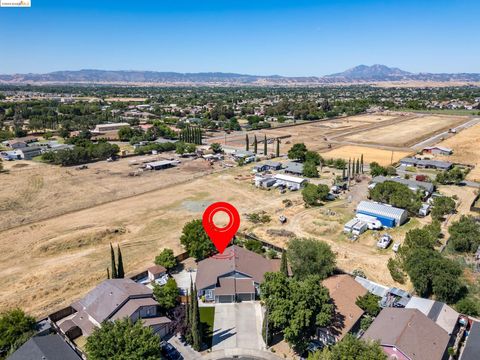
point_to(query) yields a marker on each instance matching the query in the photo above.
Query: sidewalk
(241, 353)
(187, 352)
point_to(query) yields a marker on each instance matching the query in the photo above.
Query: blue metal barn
(388, 215)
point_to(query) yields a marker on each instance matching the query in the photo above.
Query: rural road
(436, 138)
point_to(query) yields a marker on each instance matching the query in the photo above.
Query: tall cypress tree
(361, 163)
(196, 331)
(349, 165)
(255, 144)
(358, 166)
(114, 267)
(120, 270)
(108, 273)
(343, 173)
(265, 145)
(284, 263)
(277, 153)
(247, 144)
(187, 321)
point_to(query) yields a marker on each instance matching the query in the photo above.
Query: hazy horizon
(287, 38)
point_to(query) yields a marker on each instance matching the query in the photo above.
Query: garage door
(224, 299)
(245, 297)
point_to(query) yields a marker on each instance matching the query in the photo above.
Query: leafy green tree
(296, 308)
(313, 194)
(468, 306)
(123, 339)
(196, 241)
(166, 259)
(398, 195)
(310, 169)
(442, 205)
(351, 348)
(298, 152)
(395, 268)
(126, 133)
(120, 270)
(314, 157)
(465, 234)
(453, 176)
(369, 304)
(16, 328)
(377, 170)
(254, 245)
(310, 257)
(166, 295)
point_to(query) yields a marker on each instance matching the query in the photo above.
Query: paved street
(238, 326)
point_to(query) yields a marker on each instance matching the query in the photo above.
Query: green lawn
(207, 316)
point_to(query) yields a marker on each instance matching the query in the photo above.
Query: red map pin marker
(221, 236)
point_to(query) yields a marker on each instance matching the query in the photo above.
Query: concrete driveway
(238, 325)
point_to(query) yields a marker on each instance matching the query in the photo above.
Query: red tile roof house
(112, 300)
(235, 275)
(407, 334)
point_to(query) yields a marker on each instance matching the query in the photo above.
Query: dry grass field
(315, 135)
(406, 133)
(57, 223)
(46, 264)
(32, 191)
(466, 150)
(383, 157)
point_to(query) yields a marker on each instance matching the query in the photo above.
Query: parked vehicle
(396, 247)
(170, 352)
(384, 241)
(282, 219)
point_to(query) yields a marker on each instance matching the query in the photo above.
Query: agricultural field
(370, 154)
(407, 132)
(316, 135)
(466, 150)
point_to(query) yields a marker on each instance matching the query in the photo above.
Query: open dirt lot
(383, 157)
(46, 264)
(313, 134)
(33, 191)
(390, 131)
(408, 132)
(466, 150)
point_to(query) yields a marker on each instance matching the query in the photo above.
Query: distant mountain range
(358, 74)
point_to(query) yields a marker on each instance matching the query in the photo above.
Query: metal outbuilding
(388, 215)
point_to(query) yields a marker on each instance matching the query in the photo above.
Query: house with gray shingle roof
(113, 299)
(235, 275)
(46, 347)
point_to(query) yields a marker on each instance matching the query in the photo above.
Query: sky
(259, 37)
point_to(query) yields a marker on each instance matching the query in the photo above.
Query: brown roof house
(408, 334)
(235, 275)
(112, 300)
(344, 291)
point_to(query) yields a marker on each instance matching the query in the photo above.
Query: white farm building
(388, 215)
(291, 182)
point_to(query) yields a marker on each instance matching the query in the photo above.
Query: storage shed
(388, 215)
(292, 182)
